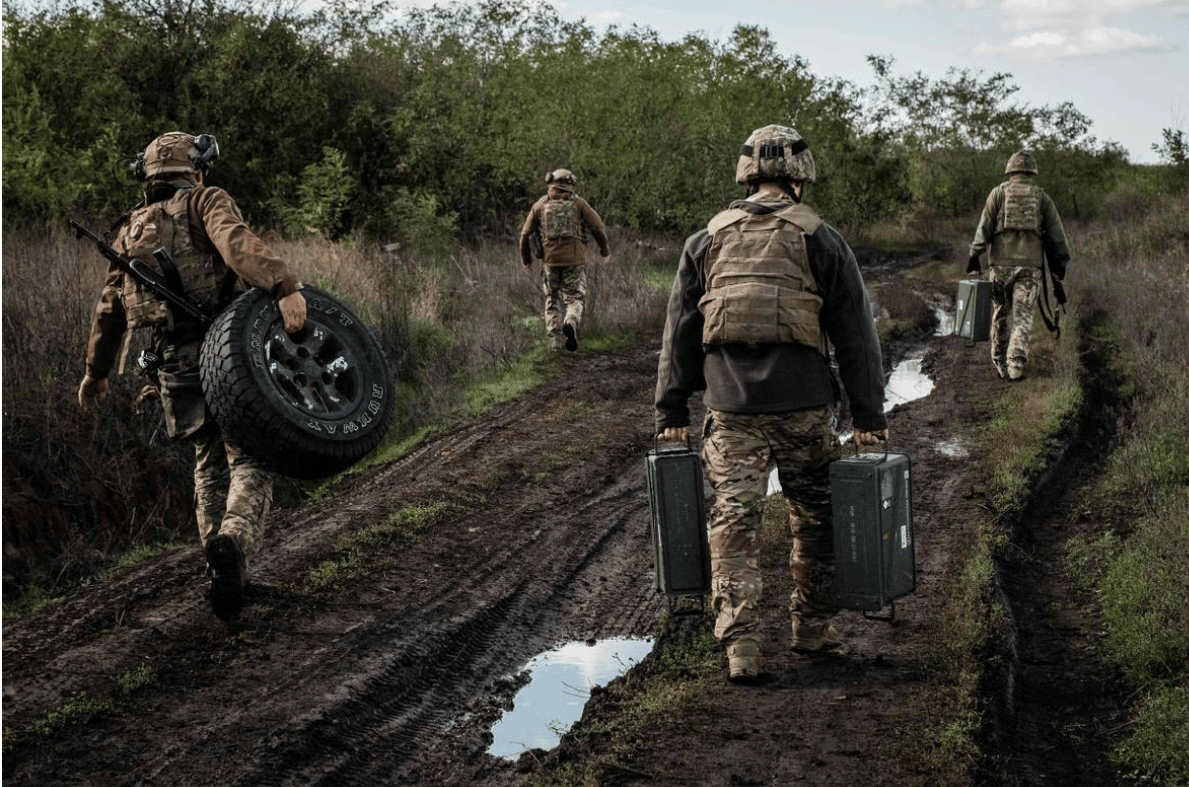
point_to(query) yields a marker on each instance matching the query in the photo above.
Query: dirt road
(451, 568)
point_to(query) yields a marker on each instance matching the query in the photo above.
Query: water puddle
(953, 448)
(545, 708)
(905, 384)
(947, 323)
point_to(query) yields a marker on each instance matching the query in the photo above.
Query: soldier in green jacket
(1022, 229)
(760, 296)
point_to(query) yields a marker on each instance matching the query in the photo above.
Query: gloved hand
(973, 265)
(91, 391)
(293, 311)
(678, 434)
(862, 437)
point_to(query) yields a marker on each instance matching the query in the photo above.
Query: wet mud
(396, 669)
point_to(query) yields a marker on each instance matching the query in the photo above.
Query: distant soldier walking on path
(561, 221)
(211, 246)
(1021, 227)
(759, 294)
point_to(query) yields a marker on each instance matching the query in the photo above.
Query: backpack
(560, 219)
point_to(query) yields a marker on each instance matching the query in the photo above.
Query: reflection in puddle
(560, 686)
(905, 384)
(952, 448)
(946, 323)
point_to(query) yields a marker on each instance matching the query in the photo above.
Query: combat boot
(571, 332)
(225, 561)
(811, 638)
(745, 663)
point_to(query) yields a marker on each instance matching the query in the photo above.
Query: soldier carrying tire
(211, 249)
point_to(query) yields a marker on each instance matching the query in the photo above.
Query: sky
(1123, 63)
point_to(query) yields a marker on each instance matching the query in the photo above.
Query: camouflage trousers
(1013, 296)
(738, 452)
(233, 493)
(565, 296)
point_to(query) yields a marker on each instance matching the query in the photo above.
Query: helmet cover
(561, 177)
(774, 153)
(1020, 162)
(177, 152)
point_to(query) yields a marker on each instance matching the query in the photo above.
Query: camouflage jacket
(776, 377)
(216, 227)
(563, 252)
(1013, 244)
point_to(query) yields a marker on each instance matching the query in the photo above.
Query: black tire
(308, 405)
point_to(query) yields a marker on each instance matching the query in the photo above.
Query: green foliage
(323, 193)
(1158, 751)
(445, 120)
(421, 222)
(1144, 598)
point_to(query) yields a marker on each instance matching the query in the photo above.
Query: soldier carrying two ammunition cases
(561, 222)
(208, 246)
(759, 297)
(1021, 227)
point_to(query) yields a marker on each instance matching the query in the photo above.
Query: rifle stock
(139, 270)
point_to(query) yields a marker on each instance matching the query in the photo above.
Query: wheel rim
(313, 370)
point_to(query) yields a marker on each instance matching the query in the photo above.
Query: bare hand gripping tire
(308, 405)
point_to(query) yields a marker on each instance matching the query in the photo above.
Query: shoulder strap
(803, 216)
(725, 219)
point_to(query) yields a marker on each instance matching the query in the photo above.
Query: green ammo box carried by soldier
(873, 535)
(974, 310)
(678, 505)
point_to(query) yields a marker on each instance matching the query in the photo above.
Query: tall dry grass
(80, 488)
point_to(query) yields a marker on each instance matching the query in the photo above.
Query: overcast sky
(1124, 63)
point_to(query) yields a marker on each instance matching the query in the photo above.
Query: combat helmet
(774, 153)
(562, 178)
(176, 153)
(1020, 161)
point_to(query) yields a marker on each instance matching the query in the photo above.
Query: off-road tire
(307, 405)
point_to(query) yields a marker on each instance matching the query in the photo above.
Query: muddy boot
(225, 560)
(1015, 372)
(559, 341)
(571, 333)
(812, 638)
(745, 663)
(1001, 369)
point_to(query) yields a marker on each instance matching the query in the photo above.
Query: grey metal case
(874, 553)
(974, 309)
(678, 507)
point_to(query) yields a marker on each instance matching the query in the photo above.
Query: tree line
(440, 122)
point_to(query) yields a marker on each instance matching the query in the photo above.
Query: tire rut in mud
(399, 674)
(1054, 701)
(429, 675)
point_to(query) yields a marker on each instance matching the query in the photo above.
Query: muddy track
(1054, 702)
(395, 672)
(542, 546)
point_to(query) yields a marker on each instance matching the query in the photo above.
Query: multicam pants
(565, 296)
(1013, 294)
(738, 451)
(233, 493)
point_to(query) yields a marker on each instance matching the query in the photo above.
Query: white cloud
(1054, 29)
(1092, 42)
